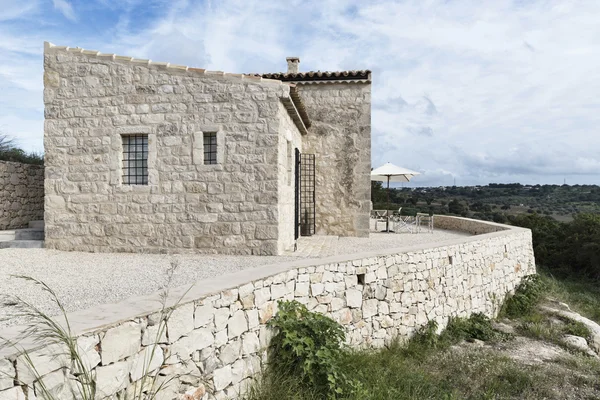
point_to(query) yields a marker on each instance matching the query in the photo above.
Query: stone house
(156, 157)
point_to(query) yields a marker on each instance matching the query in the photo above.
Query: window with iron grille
(210, 148)
(135, 159)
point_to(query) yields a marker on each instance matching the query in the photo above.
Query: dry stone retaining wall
(218, 335)
(21, 194)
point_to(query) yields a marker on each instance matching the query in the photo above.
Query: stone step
(36, 224)
(22, 244)
(7, 235)
(29, 234)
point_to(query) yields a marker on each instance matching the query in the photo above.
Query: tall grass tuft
(42, 330)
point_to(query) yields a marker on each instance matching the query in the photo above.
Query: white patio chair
(380, 216)
(424, 222)
(404, 223)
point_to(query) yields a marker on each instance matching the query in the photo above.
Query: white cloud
(482, 91)
(13, 10)
(65, 8)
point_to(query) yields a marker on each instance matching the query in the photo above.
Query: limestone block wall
(217, 336)
(340, 137)
(471, 226)
(93, 100)
(21, 194)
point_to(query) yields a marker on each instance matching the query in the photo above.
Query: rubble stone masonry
(340, 137)
(21, 194)
(218, 334)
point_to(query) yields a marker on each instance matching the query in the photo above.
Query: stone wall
(340, 137)
(219, 328)
(468, 225)
(21, 194)
(92, 100)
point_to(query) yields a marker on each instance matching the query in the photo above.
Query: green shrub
(527, 296)
(566, 249)
(309, 345)
(476, 327)
(577, 328)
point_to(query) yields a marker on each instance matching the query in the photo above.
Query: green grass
(581, 296)
(433, 366)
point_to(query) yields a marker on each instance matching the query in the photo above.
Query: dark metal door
(297, 195)
(307, 194)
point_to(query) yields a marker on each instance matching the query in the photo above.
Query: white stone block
(204, 315)
(336, 304)
(302, 289)
(112, 378)
(261, 296)
(250, 343)
(180, 322)
(222, 377)
(370, 308)
(317, 289)
(231, 352)
(7, 374)
(354, 298)
(87, 349)
(245, 290)
(221, 317)
(45, 360)
(237, 324)
(146, 361)
(196, 340)
(221, 338)
(278, 291)
(120, 342)
(151, 333)
(15, 393)
(253, 320)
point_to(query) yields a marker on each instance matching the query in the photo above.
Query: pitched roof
(359, 76)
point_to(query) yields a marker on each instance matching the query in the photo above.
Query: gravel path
(83, 280)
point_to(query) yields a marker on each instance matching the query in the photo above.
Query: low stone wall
(21, 194)
(472, 226)
(217, 334)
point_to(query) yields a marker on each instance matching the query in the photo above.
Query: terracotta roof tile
(357, 76)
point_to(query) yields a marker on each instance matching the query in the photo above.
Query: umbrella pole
(387, 213)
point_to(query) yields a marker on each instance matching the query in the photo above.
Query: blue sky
(480, 91)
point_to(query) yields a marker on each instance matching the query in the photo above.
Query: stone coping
(100, 317)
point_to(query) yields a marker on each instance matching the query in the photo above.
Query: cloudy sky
(477, 91)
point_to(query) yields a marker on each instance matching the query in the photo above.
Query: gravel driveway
(83, 280)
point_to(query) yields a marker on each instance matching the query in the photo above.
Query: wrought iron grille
(296, 195)
(307, 194)
(135, 159)
(210, 148)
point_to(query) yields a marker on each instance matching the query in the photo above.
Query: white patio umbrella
(392, 173)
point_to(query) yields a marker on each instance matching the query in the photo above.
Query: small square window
(210, 148)
(135, 159)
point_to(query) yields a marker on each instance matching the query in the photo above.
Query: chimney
(293, 65)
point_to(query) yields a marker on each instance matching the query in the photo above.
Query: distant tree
(457, 207)
(6, 143)
(500, 218)
(378, 193)
(10, 152)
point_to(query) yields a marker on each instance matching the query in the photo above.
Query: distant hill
(493, 202)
